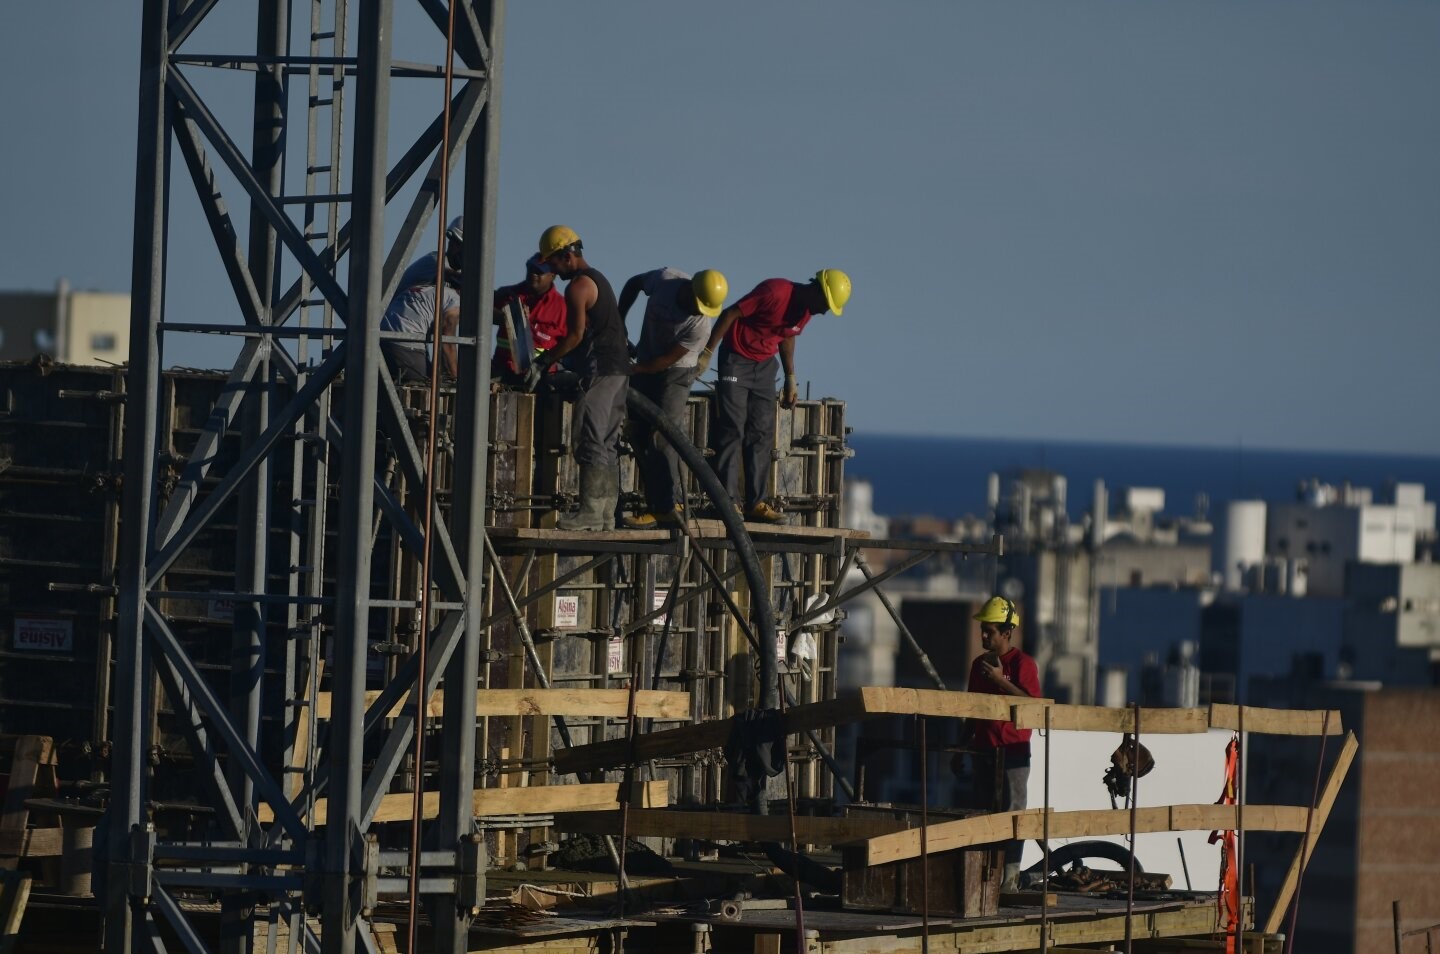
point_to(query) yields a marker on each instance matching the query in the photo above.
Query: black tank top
(604, 349)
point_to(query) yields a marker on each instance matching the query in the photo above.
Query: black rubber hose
(1082, 850)
(762, 614)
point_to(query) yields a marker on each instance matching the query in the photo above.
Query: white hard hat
(456, 229)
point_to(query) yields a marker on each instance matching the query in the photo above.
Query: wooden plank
(32, 843)
(729, 826)
(649, 703)
(533, 800)
(1109, 719)
(1029, 824)
(1227, 817)
(889, 700)
(14, 896)
(710, 529)
(1317, 825)
(31, 753)
(1276, 721)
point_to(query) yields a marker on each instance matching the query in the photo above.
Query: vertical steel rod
(147, 288)
(1309, 821)
(1045, 845)
(1240, 827)
(924, 836)
(344, 844)
(1134, 811)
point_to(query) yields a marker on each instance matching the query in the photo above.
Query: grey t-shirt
(412, 309)
(665, 323)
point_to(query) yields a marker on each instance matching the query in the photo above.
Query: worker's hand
(702, 363)
(994, 673)
(790, 394)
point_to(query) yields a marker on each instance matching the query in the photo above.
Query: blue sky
(1184, 223)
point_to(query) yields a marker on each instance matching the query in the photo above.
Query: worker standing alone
(754, 331)
(596, 349)
(1000, 753)
(679, 311)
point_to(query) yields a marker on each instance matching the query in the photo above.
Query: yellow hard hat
(998, 609)
(710, 289)
(555, 238)
(836, 285)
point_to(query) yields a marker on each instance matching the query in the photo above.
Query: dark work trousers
(1002, 788)
(595, 422)
(745, 424)
(659, 464)
(407, 365)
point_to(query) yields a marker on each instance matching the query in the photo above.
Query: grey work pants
(1006, 791)
(595, 422)
(407, 365)
(659, 464)
(745, 424)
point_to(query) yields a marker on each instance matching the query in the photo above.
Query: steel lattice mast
(280, 388)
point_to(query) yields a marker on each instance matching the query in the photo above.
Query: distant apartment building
(73, 327)
(1381, 844)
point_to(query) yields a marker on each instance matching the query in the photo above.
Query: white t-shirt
(413, 307)
(666, 324)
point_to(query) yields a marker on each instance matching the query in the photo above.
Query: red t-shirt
(995, 734)
(549, 320)
(768, 315)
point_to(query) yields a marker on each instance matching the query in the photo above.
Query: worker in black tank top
(595, 346)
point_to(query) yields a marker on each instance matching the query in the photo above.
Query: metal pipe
(905, 633)
(1045, 845)
(1309, 821)
(924, 837)
(1134, 813)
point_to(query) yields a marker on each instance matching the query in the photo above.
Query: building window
(102, 341)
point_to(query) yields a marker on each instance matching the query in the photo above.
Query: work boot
(597, 500)
(1011, 882)
(656, 519)
(762, 512)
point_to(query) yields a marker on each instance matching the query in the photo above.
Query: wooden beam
(32, 843)
(532, 800)
(649, 703)
(1276, 721)
(1109, 719)
(1317, 825)
(1030, 824)
(729, 826)
(855, 705)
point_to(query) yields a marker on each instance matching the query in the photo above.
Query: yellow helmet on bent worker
(710, 288)
(557, 238)
(999, 610)
(836, 286)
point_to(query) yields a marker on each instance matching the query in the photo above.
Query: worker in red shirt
(546, 310)
(755, 330)
(1000, 753)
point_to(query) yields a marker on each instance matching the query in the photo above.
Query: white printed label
(657, 602)
(44, 635)
(222, 607)
(615, 654)
(567, 612)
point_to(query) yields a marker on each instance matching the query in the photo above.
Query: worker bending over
(545, 308)
(412, 310)
(754, 330)
(1000, 753)
(596, 349)
(679, 311)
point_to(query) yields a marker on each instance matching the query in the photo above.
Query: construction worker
(412, 310)
(1000, 753)
(596, 349)
(545, 307)
(679, 311)
(754, 330)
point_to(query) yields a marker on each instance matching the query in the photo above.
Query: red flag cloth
(1229, 875)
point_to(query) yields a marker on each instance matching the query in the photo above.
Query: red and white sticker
(615, 655)
(567, 612)
(44, 634)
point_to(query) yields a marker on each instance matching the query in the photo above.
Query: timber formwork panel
(59, 480)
